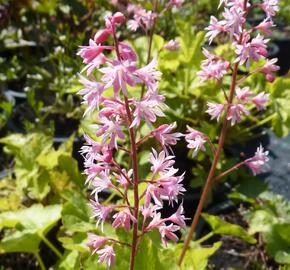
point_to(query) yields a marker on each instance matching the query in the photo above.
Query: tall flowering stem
(134, 166)
(215, 68)
(119, 119)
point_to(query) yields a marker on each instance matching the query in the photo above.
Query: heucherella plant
(119, 118)
(249, 45)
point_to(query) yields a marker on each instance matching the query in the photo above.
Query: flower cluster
(119, 117)
(249, 45)
(258, 162)
(141, 18)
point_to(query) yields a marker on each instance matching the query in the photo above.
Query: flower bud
(102, 35)
(119, 17)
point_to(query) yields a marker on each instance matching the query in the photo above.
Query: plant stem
(135, 185)
(40, 261)
(211, 174)
(152, 32)
(134, 167)
(51, 246)
(234, 168)
(207, 236)
(150, 42)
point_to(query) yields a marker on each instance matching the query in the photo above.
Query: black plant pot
(283, 54)
(21, 112)
(4, 174)
(282, 40)
(77, 144)
(17, 96)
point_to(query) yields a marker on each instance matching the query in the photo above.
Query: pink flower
(127, 53)
(92, 94)
(123, 219)
(142, 18)
(215, 27)
(260, 100)
(124, 177)
(95, 242)
(167, 232)
(234, 19)
(100, 212)
(112, 109)
(258, 161)
(238, 4)
(176, 3)
(89, 53)
(107, 254)
(94, 64)
(269, 68)
(133, 25)
(148, 109)
(155, 222)
(101, 182)
(91, 148)
(119, 17)
(171, 185)
(235, 112)
(149, 74)
(102, 35)
(213, 67)
(118, 75)
(215, 110)
(270, 7)
(243, 94)
(172, 45)
(160, 162)
(111, 130)
(254, 49)
(112, 21)
(195, 139)
(165, 136)
(153, 191)
(149, 211)
(178, 217)
(265, 26)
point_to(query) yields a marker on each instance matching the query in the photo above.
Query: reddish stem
(150, 42)
(210, 177)
(232, 169)
(134, 167)
(135, 185)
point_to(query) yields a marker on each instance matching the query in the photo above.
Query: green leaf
(76, 242)
(284, 231)
(47, 216)
(76, 213)
(69, 261)
(261, 221)
(91, 263)
(146, 258)
(20, 241)
(31, 225)
(197, 258)
(220, 226)
(283, 257)
(70, 166)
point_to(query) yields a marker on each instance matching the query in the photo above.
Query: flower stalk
(119, 119)
(214, 67)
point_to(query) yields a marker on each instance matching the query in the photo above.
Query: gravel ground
(279, 177)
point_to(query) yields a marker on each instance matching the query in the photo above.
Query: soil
(26, 261)
(236, 253)
(279, 165)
